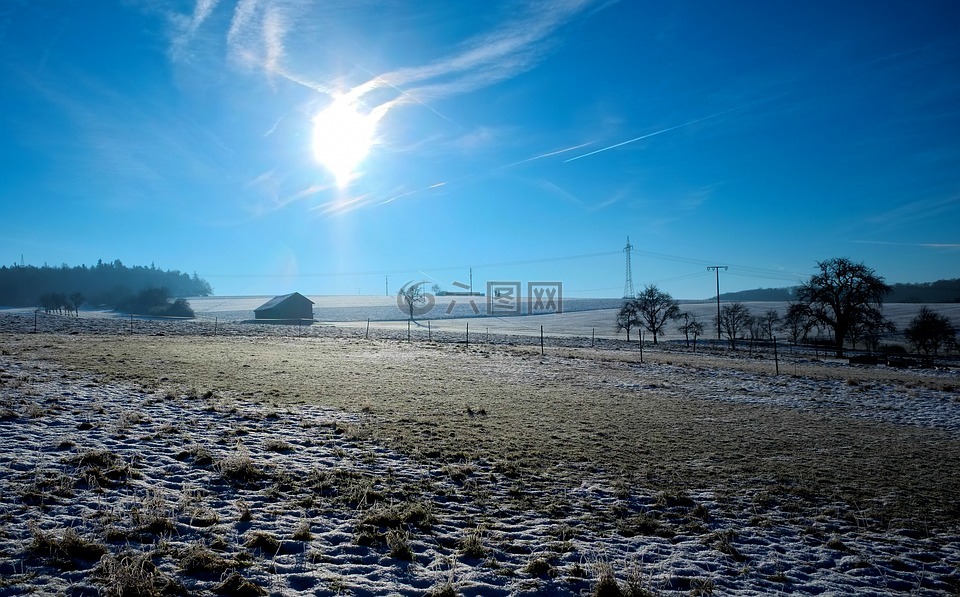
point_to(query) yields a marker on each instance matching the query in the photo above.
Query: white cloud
(186, 28)
(483, 60)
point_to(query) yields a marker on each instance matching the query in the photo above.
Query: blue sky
(280, 145)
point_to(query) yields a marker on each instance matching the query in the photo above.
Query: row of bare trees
(56, 302)
(843, 300)
(653, 308)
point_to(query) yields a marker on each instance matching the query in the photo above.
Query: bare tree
(843, 294)
(870, 328)
(797, 322)
(930, 331)
(734, 320)
(416, 300)
(76, 299)
(656, 308)
(628, 317)
(691, 326)
(769, 322)
(756, 328)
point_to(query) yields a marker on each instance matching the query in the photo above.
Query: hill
(941, 291)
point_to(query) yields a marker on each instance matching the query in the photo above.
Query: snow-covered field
(331, 465)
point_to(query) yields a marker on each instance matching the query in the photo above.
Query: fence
(472, 332)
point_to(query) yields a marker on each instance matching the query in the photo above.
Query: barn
(293, 306)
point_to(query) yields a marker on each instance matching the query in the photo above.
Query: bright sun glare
(342, 137)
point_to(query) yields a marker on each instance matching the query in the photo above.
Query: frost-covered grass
(338, 466)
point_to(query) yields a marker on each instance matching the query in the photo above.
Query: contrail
(660, 132)
(546, 155)
(415, 191)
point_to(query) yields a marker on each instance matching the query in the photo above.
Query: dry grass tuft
(263, 541)
(643, 524)
(393, 516)
(200, 558)
(722, 541)
(239, 468)
(243, 511)
(398, 541)
(68, 551)
(458, 472)
(153, 516)
(471, 544)
(273, 444)
(357, 489)
(134, 574)
(302, 532)
(607, 585)
(98, 458)
(46, 487)
(238, 586)
(540, 566)
(201, 456)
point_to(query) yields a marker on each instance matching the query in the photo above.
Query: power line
(733, 269)
(429, 269)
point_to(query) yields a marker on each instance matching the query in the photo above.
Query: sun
(342, 138)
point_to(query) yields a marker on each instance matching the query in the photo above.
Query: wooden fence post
(776, 359)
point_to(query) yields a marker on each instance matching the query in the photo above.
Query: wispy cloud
(255, 38)
(274, 29)
(514, 48)
(186, 27)
(948, 246)
(243, 16)
(609, 201)
(917, 210)
(341, 205)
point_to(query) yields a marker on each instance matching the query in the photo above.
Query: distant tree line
(108, 285)
(941, 291)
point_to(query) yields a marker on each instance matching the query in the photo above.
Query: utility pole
(471, 281)
(386, 285)
(717, 269)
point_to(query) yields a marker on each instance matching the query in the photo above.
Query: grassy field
(507, 421)
(550, 417)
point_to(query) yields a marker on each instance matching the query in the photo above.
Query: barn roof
(280, 299)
